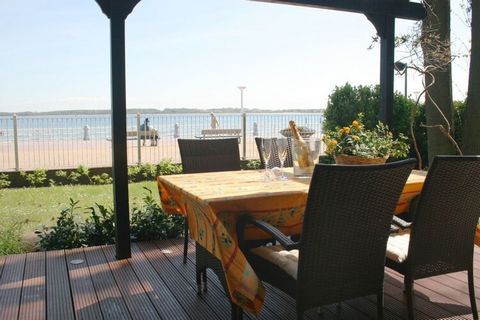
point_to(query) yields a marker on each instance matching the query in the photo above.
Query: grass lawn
(29, 208)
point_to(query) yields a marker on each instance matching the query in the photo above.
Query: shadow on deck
(155, 284)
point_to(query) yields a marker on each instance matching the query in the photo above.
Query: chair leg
(380, 305)
(185, 242)
(237, 312)
(409, 291)
(471, 289)
(204, 280)
(199, 281)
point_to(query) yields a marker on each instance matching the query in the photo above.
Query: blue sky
(191, 53)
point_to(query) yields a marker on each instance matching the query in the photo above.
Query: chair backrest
(274, 160)
(209, 155)
(345, 230)
(444, 222)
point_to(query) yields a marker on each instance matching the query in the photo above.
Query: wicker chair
(441, 236)
(274, 160)
(341, 253)
(207, 155)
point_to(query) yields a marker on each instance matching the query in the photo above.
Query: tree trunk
(437, 55)
(471, 129)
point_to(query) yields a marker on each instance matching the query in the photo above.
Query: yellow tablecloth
(213, 202)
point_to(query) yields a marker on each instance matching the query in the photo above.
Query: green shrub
(83, 175)
(61, 177)
(347, 101)
(10, 240)
(38, 178)
(67, 233)
(251, 165)
(103, 178)
(99, 227)
(166, 167)
(149, 222)
(4, 181)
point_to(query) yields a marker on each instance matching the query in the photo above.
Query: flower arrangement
(355, 140)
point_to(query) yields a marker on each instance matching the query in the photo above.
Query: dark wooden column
(117, 11)
(385, 25)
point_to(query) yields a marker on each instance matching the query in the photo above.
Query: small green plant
(149, 222)
(103, 178)
(252, 165)
(38, 178)
(61, 177)
(83, 175)
(166, 167)
(4, 181)
(67, 233)
(74, 177)
(99, 227)
(10, 240)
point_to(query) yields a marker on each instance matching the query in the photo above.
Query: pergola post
(385, 25)
(117, 11)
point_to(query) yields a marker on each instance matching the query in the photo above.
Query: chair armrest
(402, 224)
(244, 220)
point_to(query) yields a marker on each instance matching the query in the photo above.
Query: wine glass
(282, 149)
(267, 152)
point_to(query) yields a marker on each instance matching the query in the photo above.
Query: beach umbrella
(117, 11)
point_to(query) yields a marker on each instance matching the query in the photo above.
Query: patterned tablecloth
(213, 202)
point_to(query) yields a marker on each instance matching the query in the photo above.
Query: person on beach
(213, 121)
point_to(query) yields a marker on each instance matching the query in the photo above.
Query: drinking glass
(282, 149)
(267, 152)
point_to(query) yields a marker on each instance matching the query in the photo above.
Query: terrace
(155, 284)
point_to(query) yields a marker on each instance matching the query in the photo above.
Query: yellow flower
(356, 124)
(356, 138)
(346, 130)
(341, 131)
(333, 143)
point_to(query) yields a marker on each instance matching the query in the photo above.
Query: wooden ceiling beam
(402, 9)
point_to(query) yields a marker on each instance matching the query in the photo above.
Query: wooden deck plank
(160, 295)
(33, 301)
(394, 288)
(184, 292)
(59, 298)
(133, 293)
(215, 297)
(11, 286)
(109, 297)
(85, 300)
(423, 290)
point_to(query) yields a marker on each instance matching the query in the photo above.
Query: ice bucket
(305, 155)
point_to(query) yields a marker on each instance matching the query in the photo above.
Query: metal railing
(67, 141)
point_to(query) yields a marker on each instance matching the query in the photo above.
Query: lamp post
(402, 68)
(244, 123)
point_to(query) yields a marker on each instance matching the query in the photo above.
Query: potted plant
(356, 145)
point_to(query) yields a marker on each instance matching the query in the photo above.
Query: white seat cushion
(397, 246)
(287, 260)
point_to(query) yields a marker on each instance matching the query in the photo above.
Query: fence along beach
(54, 142)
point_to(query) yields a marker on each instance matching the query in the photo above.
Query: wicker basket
(347, 159)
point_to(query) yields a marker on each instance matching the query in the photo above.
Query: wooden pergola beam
(402, 9)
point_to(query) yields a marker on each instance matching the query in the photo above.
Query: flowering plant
(355, 140)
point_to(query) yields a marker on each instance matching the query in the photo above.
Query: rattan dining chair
(440, 238)
(274, 160)
(341, 253)
(207, 155)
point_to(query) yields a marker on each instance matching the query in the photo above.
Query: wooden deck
(155, 284)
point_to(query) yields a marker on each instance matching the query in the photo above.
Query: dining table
(212, 203)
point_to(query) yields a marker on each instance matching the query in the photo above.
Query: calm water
(71, 127)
